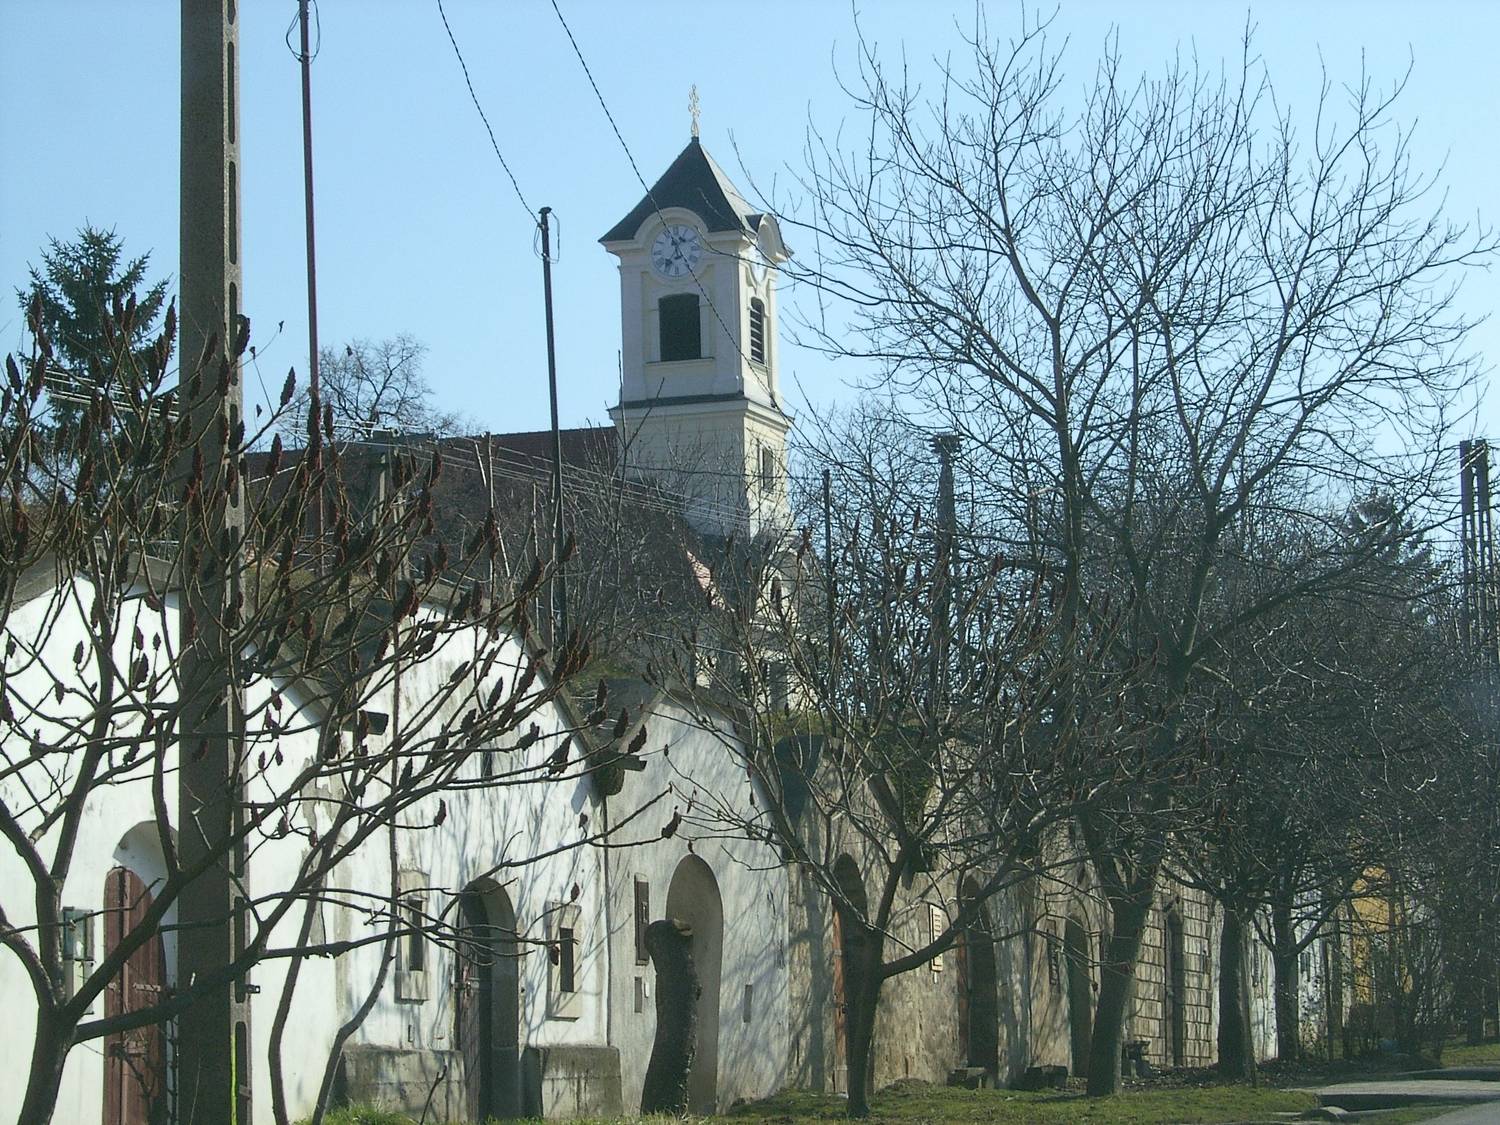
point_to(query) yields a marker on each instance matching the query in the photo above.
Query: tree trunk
(49, 1051)
(864, 1002)
(1128, 915)
(283, 1012)
(1288, 1008)
(1236, 1051)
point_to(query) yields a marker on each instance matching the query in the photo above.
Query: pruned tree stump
(670, 944)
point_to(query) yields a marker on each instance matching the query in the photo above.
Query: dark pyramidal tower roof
(694, 181)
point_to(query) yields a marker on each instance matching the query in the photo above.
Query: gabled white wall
(497, 831)
(691, 768)
(483, 828)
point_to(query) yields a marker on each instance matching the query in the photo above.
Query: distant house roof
(592, 446)
(696, 182)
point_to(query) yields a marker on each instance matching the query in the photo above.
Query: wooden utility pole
(559, 605)
(213, 1038)
(304, 57)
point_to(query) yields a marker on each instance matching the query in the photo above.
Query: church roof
(694, 181)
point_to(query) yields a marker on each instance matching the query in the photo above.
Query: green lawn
(1458, 1053)
(912, 1104)
(915, 1103)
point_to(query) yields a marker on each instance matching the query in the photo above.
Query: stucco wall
(486, 830)
(692, 771)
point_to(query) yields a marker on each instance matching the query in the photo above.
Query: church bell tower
(700, 410)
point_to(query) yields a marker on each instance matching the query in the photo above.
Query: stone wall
(1148, 1019)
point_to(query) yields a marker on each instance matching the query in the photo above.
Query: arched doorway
(135, 1062)
(487, 1005)
(848, 929)
(693, 898)
(978, 997)
(1174, 992)
(1080, 984)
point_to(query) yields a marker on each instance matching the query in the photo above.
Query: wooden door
(840, 1010)
(964, 974)
(472, 1005)
(135, 1062)
(1175, 994)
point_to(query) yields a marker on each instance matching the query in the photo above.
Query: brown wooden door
(472, 1005)
(840, 1010)
(135, 1062)
(963, 974)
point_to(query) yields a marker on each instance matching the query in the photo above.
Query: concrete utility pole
(213, 1037)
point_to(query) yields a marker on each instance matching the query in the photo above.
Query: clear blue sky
(420, 232)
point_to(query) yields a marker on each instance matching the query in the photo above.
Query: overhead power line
(634, 167)
(527, 207)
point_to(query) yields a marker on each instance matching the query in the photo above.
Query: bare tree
(372, 386)
(893, 696)
(1158, 315)
(331, 754)
(1313, 724)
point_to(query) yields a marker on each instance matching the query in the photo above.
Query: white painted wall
(498, 832)
(484, 828)
(694, 768)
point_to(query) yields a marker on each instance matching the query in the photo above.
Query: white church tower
(700, 409)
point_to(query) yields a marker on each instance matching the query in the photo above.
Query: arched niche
(693, 898)
(136, 1062)
(848, 932)
(1174, 988)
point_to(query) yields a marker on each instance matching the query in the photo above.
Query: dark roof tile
(695, 181)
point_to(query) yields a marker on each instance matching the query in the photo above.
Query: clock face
(676, 251)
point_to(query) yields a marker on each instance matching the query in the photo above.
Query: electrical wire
(530, 211)
(317, 44)
(634, 167)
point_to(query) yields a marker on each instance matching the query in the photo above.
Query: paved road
(1486, 1114)
(1391, 1092)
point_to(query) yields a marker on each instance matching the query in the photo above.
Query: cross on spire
(693, 108)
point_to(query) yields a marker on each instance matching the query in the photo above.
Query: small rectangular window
(411, 948)
(681, 330)
(642, 919)
(937, 922)
(567, 963)
(767, 469)
(416, 940)
(77, 948)
(749, 1002)
(563, 978)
